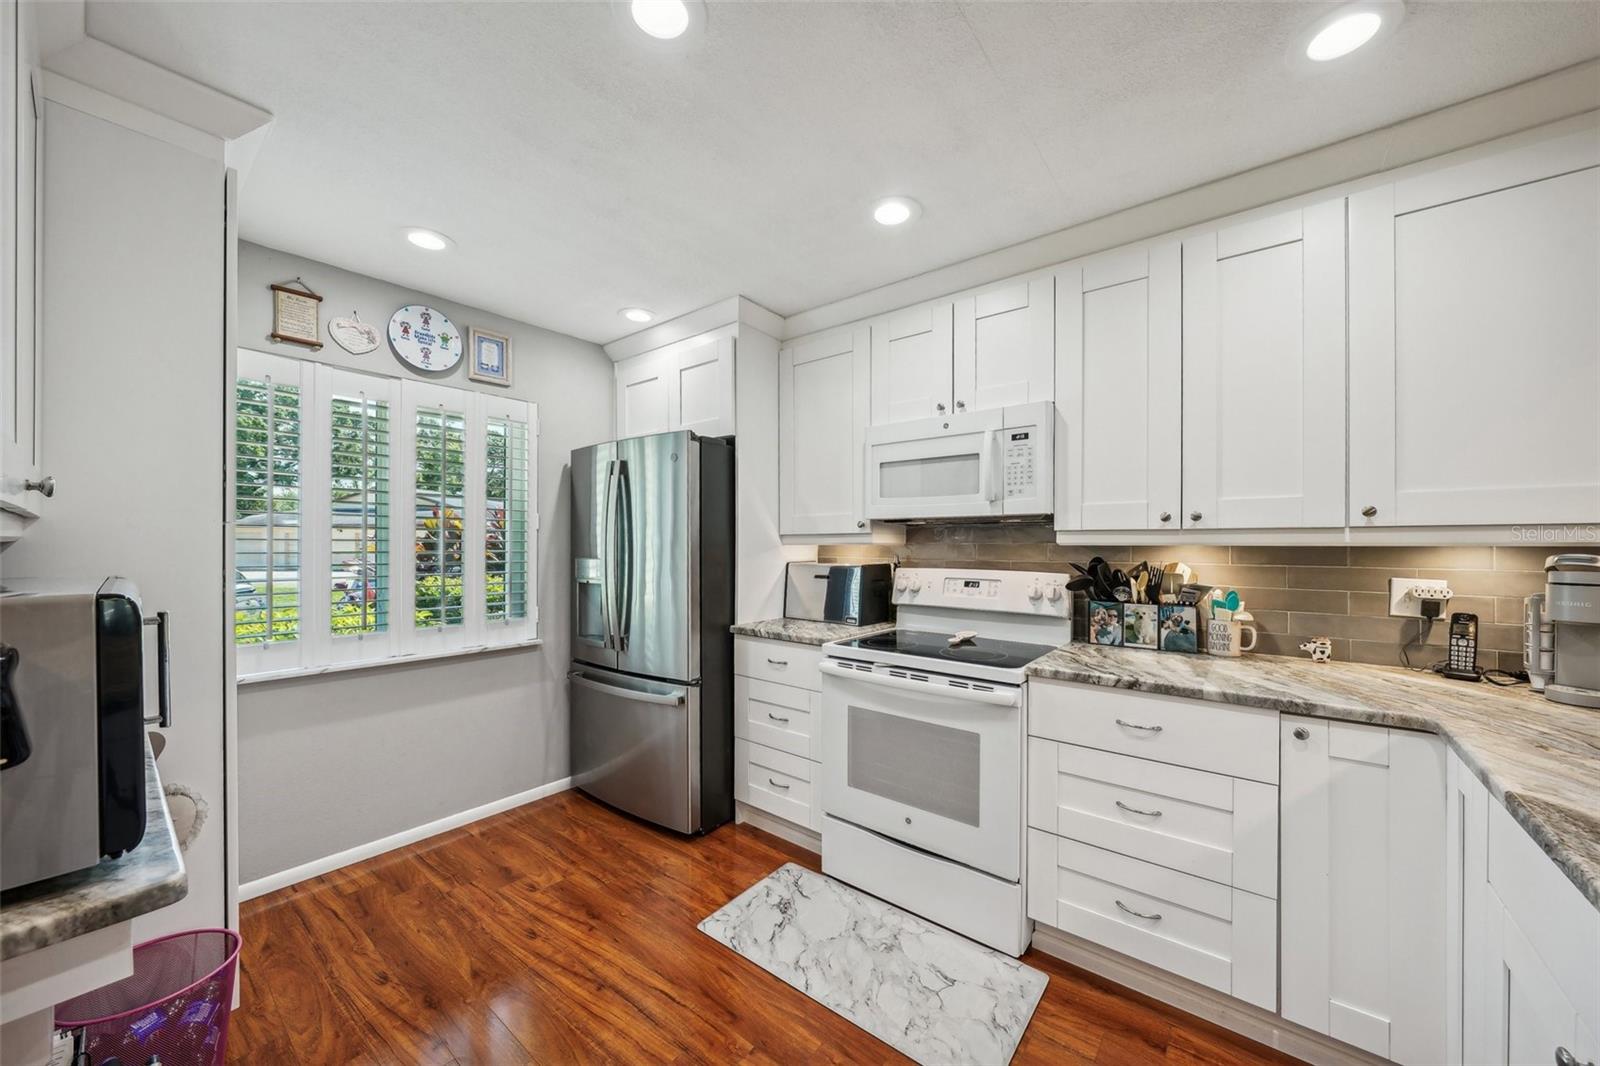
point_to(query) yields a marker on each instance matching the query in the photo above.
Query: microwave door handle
(163, 670)
(986, 462)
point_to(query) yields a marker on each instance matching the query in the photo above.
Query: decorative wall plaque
(353, 335)
(425, 338)
(294, 315)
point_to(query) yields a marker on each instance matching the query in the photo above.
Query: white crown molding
(1540, 101)
(735, 309)
(91, 101)
(124, 75)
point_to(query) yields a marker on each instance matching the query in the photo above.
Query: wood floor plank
(565, 932)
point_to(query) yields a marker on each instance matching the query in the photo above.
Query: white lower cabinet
(1363, 886)
(1222, 937)
(777, 703)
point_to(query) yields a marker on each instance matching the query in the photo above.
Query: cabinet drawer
(1221, 937)
(779, 661)
(779, 716)
(1236, 741)
(775, 781)
(1220, 828)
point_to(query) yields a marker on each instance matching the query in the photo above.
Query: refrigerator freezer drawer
(636, 745)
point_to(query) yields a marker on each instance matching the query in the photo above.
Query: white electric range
(924, 733)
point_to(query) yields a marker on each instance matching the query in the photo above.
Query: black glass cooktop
(980, 651)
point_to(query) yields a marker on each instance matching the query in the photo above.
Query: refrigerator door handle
(670, 699)
(623, 543)
(608, 581)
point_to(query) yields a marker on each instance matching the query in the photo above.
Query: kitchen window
(376, 519)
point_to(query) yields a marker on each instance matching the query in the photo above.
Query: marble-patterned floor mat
(936, 996)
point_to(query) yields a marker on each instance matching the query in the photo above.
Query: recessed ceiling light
(637, 314)
(430, 240)
(1346, 29)
(661, 19)
(895, 211)
(1344, 35)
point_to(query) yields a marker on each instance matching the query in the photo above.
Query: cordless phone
(1462, 663)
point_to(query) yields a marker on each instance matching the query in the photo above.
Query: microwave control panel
(1019, 456)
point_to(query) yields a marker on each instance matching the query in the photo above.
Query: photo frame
(489, 356)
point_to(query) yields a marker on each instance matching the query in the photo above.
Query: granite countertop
(1540, 759)
(147, 878)
(796, 631)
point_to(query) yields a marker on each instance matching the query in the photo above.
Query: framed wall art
(294, 315)
(491, 357)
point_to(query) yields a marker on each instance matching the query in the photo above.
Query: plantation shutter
(267, 510)
(509, 516)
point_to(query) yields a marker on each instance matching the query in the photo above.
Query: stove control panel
(1008, 591)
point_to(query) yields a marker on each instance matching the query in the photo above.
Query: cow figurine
(1321, 649)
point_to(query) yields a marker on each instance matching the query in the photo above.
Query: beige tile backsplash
(1294, 592)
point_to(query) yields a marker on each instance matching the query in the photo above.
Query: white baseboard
(1235, 1015)
(798, 835)
(327, 864)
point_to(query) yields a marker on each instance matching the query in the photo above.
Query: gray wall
(331, 762)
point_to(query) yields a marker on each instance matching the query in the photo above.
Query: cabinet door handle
(1136, 725)
(1195, 516)
(1135, 810)
(939, 407)
(961, 405)
(1567, 1058)
(779, 662)
(1137, 914)
(1302, 733)
(861, 525)
(777, 784)
(775, 718)
(1166, 516)
(1369, 511)
(45, 486)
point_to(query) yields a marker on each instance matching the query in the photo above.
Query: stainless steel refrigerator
(652, 600)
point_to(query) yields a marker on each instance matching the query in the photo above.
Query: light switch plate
(1407, 593)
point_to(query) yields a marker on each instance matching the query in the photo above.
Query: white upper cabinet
(1005, 345)
(1119, 390)
(1474, 341)
(912, 368)
(687, 385)
(823, 401)
(21, 267)
(1263, 372)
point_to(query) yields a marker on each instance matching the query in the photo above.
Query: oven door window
(931, 767)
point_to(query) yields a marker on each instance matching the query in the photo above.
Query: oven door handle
(998, 697)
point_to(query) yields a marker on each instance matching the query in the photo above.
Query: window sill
(393, 660)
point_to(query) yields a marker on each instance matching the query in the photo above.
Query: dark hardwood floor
(565, 932)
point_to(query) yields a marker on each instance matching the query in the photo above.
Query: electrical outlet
(1407, 593)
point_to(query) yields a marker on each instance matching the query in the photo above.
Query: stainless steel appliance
(977, 464)
(923, 735)
(652, 657)
(856, 594)
(1572, 608)
(72, 780)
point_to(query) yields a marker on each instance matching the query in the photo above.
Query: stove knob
(1035, 593)
(916, 584)
(1054, 594)
(900, 583)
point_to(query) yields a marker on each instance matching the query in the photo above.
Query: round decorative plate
(425, 338)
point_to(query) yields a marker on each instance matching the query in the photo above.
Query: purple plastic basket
(175, 1004)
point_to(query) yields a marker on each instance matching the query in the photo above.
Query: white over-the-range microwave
(976, 464)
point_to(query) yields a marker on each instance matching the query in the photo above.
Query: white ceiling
(582, 167)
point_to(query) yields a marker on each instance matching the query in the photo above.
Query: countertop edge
(1520, 806)
(800, 631)
(88, 915)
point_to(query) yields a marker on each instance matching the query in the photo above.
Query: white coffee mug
(1226, 637)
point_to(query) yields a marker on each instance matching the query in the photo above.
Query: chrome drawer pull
(1136, 725)
(1135, 810)
(779, 662)
(1129, 910)
(775, 718)
(777, 784)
